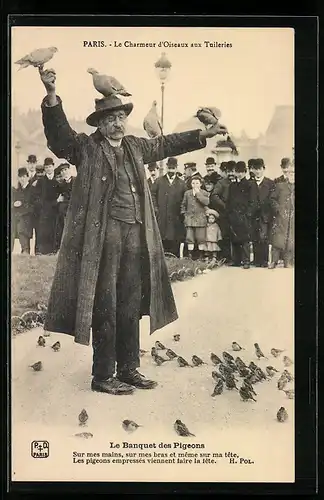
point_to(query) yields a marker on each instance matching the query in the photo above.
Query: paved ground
(232, 304)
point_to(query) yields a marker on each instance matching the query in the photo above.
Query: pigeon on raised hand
(41, 341)
(181, 429)
(287, 361)
(197, 361)
(215, 359)
(236, 346)
(130, 425)
(37, 58)
(83, 417)
(218, 389)
(282, 415)
(37, 367)
(276, 352)
(151, 123)
(259, 354)
(32, 319)
(208, 116)
(171, 354)
(107, 85)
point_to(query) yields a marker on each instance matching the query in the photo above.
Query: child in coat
(213, 235)
(193, 208)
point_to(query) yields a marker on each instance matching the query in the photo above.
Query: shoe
(112, 386)
(136, 379)
(246, 266)
(272, 265)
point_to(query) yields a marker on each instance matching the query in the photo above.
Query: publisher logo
(40, 449)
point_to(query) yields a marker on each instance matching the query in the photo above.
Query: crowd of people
(39, 204)
(232, 213)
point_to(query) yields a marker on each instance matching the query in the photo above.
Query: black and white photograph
(152, 254)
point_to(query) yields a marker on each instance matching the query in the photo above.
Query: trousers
(241, 253)
(261, 252)
(117, 302)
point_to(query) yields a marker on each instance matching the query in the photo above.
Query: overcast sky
(245, 81)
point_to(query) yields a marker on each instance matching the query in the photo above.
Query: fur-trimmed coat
(72, 295)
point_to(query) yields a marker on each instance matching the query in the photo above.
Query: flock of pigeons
(109, 85)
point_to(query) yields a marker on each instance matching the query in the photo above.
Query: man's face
(113, 125)
(284, 171)
(40, 174)
(153, 174)
(223, 173)
(257, 173)
(23, 180)
(65, 174)
(59, 178)
(211, 168)
(49, 169)
(31, 169)
(230, 174)
(209, 186)
(171, 171)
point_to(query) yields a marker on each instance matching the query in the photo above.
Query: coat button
(103, 178)
(97, 224)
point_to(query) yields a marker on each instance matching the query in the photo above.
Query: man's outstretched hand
(216, 129)
(48, 78)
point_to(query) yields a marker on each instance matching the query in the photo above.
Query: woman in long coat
(283, 229)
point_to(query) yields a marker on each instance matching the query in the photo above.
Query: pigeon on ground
(159, 360)
(171, 354)
(176, 337)
(246, 394)
(107, 85)
(197, 361)
(41, 341)
(182, 362)
(208, 116)
(225, 370)
(56, 347)
(85, 435)
(130, 425)
(215, 359)
(282, 415)
(230, 383)
(290, 393)
(243, 371)
(83, 417)
(217, 376)
(37, 367)
(236, 346)
(37, 58)
(253, 378)
(195, 294)
(271, 371)
(159, 345)
(32, 319)
(282, 382)
(252, 366)
(151, 123)
(231, 365)
(260, 373)
(240, 363)
(153, 352)
(142, 352)
(181, 429)
(227, 356)
(249, 386)
(288, 376)
(259, 354)
(219, 388)
(276, 352)
(287, 361)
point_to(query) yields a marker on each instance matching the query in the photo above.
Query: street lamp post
(162, 67)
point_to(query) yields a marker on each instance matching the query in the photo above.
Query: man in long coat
(262, 216)
(22, 212)
(167, 195)
(111, 268)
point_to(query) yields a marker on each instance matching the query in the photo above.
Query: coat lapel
(107, 150)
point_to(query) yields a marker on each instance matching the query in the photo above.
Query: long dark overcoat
(240, 206)
(263, 215)
(167, 198)
(72, 295)
(22, 217)
(283, 205)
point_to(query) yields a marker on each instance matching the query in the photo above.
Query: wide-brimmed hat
(211, 211)
(104, 106)
(60, 168)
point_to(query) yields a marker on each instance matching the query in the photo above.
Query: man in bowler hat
(111, 268)
(211, 169)
(153, 170)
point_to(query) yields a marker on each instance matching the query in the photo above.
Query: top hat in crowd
(22, 171)
(285, 162)
(258, 163)
(172, 162)
(63, 166)
(105, 106)
(31, 159)
(48, 161)
(240, 167)
(210, 161)
(152, 166)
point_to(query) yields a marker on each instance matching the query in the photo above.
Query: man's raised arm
(61, 138)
